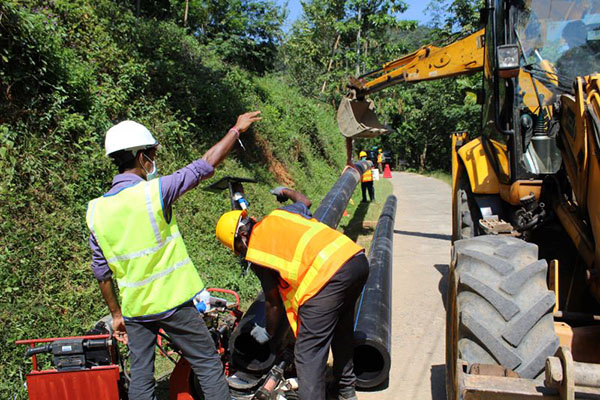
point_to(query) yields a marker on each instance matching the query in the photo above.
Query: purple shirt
(172, 187)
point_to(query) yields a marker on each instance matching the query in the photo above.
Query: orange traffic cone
(387, 172)
(345, 213)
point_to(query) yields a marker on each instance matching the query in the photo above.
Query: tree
(244, 32)
(458, 15)
(322, 46)
(423, 115)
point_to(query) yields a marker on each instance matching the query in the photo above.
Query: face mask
(154, 173)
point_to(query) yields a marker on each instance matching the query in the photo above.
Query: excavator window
(559, 40)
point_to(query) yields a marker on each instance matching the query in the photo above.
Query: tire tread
(503, 304)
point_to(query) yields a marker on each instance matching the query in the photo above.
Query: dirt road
(421, 255)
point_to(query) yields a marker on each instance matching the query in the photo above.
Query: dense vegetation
(322, 51)
(69, 69)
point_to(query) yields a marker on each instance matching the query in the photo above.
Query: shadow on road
(439, 236)
(438, 382)
(443, 285)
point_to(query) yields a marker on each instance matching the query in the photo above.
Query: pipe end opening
(369, 364)
(251, 355)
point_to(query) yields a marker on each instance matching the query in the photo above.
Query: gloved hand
(260, 334)
(278, 191)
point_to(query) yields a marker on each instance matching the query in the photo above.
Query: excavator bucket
(356, 118)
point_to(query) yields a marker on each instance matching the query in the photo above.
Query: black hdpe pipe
(333, 205)
(372, 326)
(248, 355)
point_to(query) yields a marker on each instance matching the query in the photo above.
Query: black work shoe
(346, 393)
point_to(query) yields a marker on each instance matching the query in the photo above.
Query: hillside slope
(67, 73)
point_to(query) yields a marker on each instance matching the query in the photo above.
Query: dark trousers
(326, 320)
(188, 331)
(367, 186)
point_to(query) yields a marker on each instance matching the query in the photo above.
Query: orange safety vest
(379, 158)
(305, 252)
(367, 176)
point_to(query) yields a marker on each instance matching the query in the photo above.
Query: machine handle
(97, 344)
(38, 350)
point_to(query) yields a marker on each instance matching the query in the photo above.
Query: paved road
(421, 256)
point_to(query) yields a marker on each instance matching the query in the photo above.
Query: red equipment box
(95, 383)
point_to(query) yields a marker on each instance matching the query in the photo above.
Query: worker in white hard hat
(135, 241)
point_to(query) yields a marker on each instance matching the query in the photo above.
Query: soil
(276, 167)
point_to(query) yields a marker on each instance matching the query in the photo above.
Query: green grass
(440, 175)
(362, 218)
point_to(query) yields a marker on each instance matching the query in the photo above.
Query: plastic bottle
(202, 301)
(241, 200)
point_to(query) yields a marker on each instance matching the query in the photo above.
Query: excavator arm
(356, 117)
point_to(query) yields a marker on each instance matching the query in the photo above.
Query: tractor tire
(499, 308)
(467, 213)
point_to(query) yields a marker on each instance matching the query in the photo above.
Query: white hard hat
(128, 135)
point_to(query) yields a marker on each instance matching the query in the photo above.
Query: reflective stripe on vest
(306, 253)
(145, 253)
(367, 176)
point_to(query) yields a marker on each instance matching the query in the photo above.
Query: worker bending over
(315, 274)
(135, 239)
(366, 181)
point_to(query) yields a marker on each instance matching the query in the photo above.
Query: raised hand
(245, 120)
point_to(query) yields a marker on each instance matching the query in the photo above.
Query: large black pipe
(333, 205)
(246, 354)
(372, 327)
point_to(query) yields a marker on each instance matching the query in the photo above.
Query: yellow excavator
(523, 310)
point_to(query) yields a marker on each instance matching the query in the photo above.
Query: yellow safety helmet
(363, 154)
(381, 150)
(227, 227)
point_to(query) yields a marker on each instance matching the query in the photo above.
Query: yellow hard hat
(227, 227)
(380, 150)
(363, 154)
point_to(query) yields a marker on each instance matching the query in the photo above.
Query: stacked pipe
(332, 207)
(245, 353)
(372, 327)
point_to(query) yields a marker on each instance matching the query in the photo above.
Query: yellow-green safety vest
(146, 253)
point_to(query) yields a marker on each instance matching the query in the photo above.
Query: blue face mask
(152, 174)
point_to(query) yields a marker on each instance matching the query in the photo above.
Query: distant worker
(380, 160)
(366, 181)
(315, 274)
(134, 237)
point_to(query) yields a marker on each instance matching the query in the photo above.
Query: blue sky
(415, 10)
